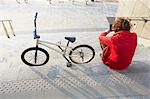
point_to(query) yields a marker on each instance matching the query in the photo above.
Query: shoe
(100, 54)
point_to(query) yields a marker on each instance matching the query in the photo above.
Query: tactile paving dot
(45, 84)
(118, 82)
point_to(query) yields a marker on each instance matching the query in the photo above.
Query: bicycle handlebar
(35, 30)
(35, 19)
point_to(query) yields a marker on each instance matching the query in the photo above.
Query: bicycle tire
(77, 52)
(41, 50)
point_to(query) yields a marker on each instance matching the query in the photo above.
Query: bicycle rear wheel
(82, 54)
(35, 56)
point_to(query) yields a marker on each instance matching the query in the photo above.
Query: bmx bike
(37, 56)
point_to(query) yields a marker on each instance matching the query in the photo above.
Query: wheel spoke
(82, 54)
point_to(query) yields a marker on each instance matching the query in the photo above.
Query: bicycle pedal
(69, 64)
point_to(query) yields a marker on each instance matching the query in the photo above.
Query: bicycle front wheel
(35, 56)
(82, 54)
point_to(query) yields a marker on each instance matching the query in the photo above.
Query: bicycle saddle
(71, 39)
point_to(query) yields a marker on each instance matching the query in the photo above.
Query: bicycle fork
(35, 58)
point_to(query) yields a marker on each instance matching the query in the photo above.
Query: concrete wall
(135, 9)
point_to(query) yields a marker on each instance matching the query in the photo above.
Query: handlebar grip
(34, 34)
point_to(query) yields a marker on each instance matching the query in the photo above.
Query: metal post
(5, 29)
(11, 27)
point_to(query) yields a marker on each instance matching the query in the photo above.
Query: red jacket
(120, 49)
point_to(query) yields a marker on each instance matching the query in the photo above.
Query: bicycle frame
(46, 44)
(70, 52)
